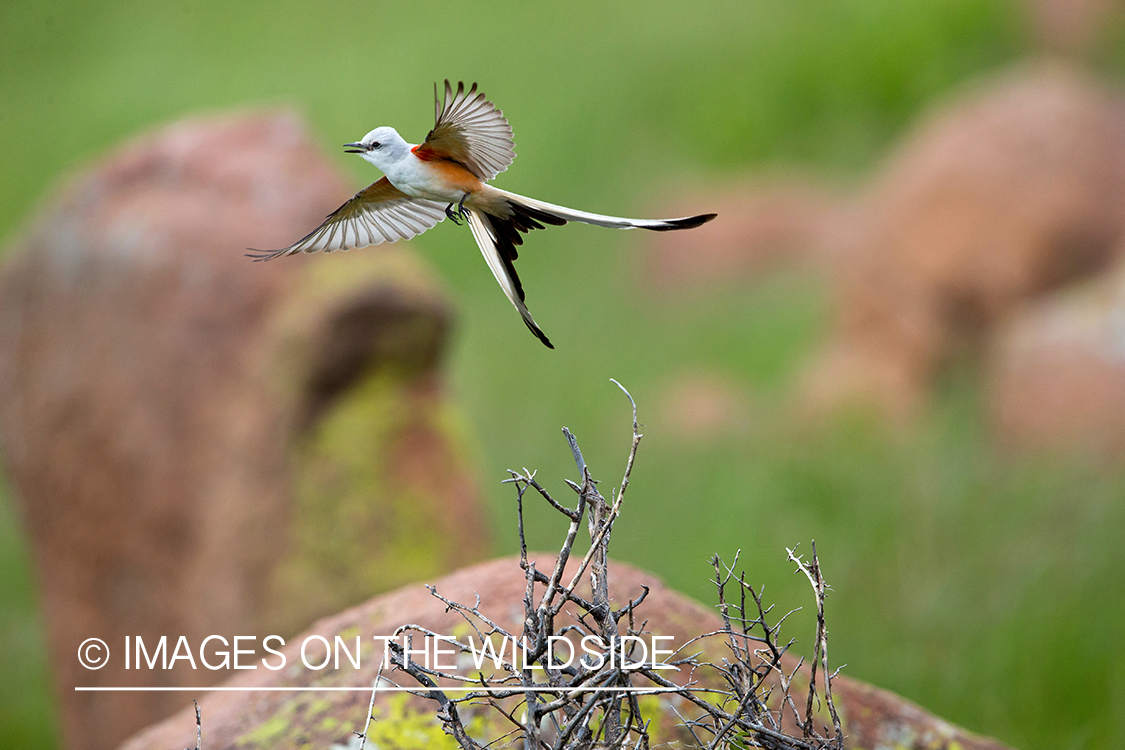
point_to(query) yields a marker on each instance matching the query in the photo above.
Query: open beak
(355, 148)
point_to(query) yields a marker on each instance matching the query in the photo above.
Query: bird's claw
(451, 215)
(462, 213)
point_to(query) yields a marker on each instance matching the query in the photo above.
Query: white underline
(368, 688)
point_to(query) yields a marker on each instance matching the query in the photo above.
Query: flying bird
(446, 176)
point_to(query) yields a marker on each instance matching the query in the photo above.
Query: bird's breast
(440, 180)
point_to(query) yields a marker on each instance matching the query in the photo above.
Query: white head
(380, 147)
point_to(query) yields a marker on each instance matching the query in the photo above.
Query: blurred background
(975, 560)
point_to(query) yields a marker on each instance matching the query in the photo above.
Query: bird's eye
(376, 144)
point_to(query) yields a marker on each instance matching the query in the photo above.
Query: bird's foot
(452, 216)
(461, 207)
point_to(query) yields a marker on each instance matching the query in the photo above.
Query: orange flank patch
(456, 176)
(425, 153)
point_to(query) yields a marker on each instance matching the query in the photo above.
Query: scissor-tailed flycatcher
(470, 144)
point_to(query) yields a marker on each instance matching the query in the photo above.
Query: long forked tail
(544, 211)
(497, 236)
(499, 252)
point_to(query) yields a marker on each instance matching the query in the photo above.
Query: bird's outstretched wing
(379, 213)
(468, 129)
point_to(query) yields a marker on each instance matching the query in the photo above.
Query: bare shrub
(743, 699)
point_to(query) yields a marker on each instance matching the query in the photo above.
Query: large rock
(277, 720)
(1056, 377)
(204, 445)
(1011, 190)
(1073, 26)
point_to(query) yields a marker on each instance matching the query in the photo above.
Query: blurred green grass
(26, 712)
(985, 588)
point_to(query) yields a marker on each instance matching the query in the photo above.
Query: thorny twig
(812, 573)
(198, 726)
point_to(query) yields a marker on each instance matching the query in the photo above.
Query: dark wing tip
(538, 334)
(690, 222)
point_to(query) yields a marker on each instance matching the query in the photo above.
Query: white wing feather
(379, 213)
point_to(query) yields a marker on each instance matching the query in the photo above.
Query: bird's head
(380, 146)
